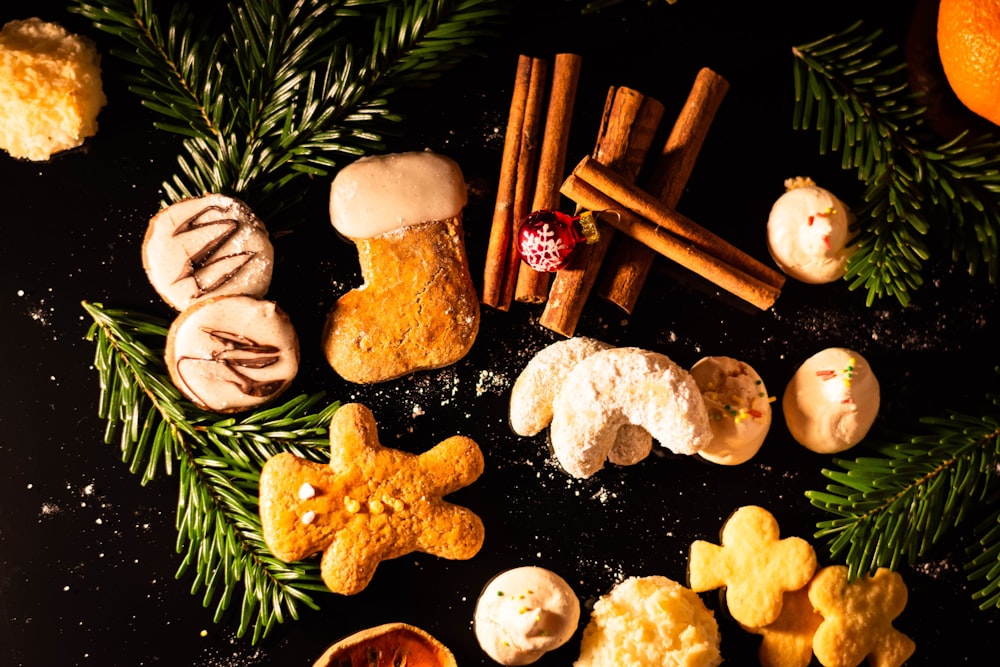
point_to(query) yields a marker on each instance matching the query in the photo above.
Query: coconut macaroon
(417, 308)
(50, 89)
(207, 246)
(739, 409)
(808, 233)
(232, 353)
(524, 613)
(650, 621)
(831, 401)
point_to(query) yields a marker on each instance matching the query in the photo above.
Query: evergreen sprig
(282, 92)
(893, 507)
(289, 88)
(855, 93)
(218, 461)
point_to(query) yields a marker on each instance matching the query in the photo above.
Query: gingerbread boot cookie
(370, 504)
(418, 308)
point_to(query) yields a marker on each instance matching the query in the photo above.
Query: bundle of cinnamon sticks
(530, 173)
(644, 217)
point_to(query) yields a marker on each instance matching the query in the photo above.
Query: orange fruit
(968, 37)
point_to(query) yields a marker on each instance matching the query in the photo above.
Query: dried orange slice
(389, 645)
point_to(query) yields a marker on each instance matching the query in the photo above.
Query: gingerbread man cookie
(370, 504)
(754, 566)
(788, 641)
(857, 618)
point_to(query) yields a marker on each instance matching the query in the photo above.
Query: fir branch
(893, 508)
(985, 565)
(415, 41)
(280, 97)
(218, 462)
(170, 78)
(284, 94)
(855, 94)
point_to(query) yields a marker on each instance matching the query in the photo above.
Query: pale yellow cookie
(857, 618)
(50, 89)
(754, 566)
(650, 621)
(788, 641)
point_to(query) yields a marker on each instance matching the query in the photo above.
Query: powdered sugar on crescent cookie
(536, 387)
(625, 386)
(535, 392)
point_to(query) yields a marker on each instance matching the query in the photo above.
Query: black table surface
(87, 556)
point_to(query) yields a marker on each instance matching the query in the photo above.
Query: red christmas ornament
(547, 238)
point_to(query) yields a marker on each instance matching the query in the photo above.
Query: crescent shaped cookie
(535, 391)
(536, 387)
(625, 386)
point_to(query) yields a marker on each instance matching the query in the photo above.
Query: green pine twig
(985, 565)
(218, 461)
(288, 89)
(279, 95)
(894, 507)
(856, 95)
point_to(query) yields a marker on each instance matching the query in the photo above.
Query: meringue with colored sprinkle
(524, 613)
(808, 233)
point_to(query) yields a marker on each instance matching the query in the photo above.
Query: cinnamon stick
(748, 287)
(628, 126)
(502, 231)
(532, 285)
(628, 262)
(643, 204)
(527, 168)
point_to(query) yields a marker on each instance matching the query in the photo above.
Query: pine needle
(264, 103)
(918, 195)
(218, 463)
(895, 507)
(286, 90)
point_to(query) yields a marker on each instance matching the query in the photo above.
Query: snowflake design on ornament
(543, 249)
